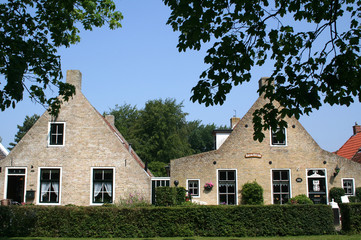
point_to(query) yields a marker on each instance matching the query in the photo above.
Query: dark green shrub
(351, 217)
(252, 194)
(358, 194)
(300, 199)
(170, 196)
(150, 222)
(336, 193)
(181, 195)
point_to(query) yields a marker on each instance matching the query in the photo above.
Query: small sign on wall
(253, 155)
(299, 179)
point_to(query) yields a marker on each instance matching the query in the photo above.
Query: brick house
(352, 147)
(284, 167)
(78, 158)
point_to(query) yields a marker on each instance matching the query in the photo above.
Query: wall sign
(253, 155)
(299, 179)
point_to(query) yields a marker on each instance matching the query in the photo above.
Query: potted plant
(208, 186)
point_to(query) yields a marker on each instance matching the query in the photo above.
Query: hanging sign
(253, 155)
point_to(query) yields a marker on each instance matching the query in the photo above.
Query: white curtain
(108, 188)
(45, 187)
(97, 188)
(56, 189)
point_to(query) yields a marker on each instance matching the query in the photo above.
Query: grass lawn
(325, 237)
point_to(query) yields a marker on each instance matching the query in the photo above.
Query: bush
(170, 196)
(336, 193)
(252, 194)
(358, 194)
(134, 200)
(351, 217)
(300, 199)
(151, 222)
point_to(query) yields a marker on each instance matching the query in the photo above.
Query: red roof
(351, 147)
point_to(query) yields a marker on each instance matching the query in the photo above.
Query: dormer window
(277, 138)
(56, 133)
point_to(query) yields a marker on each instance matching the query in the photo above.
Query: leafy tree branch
(317, 59)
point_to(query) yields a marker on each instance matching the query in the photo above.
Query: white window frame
(91, 185)
(39, 187)
(353, 186)
(49, 134)
(290, 182)
(236, 178)
(278, 145)
(199, 187)
(6, 180)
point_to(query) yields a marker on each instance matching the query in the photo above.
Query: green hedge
(170, 196)
(351, 217)
(212, 221)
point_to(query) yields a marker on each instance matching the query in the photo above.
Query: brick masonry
(89, 142)
(300, 153)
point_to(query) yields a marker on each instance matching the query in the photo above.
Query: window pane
(45, 174)
(223, 188)
(98, 175)
(222, 175)
(231, 175)
(108, 174)
(284, 175)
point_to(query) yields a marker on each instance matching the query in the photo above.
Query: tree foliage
(200, 136)
(30, 33)
(22, 130)
(159, 132)
(321, 58)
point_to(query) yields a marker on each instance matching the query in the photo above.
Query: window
(281, 186)
(102, 185)
(227, 187)
(278, 137)
(56, 134)
(49, 185)
(193, 188)
(348, 186)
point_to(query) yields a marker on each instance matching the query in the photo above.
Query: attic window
(278, 137)
(56, 134)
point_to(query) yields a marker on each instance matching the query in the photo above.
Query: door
(15, 189)
(317, 189)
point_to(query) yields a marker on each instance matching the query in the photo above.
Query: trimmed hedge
(351, 217)
(211, 221)
(170, 196)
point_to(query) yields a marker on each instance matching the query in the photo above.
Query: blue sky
(140, 62)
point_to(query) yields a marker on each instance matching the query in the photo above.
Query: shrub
(358, 194)
(170, 196)
(150, 222)
(134, 200)
(336, 193)
(300, 199)
(252, 194)
(351, 217)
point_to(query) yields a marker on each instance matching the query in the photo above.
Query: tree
(125, 116)
(30, 33)
(320, 59)
(200, 136)
(22, 130)
(161, 131)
